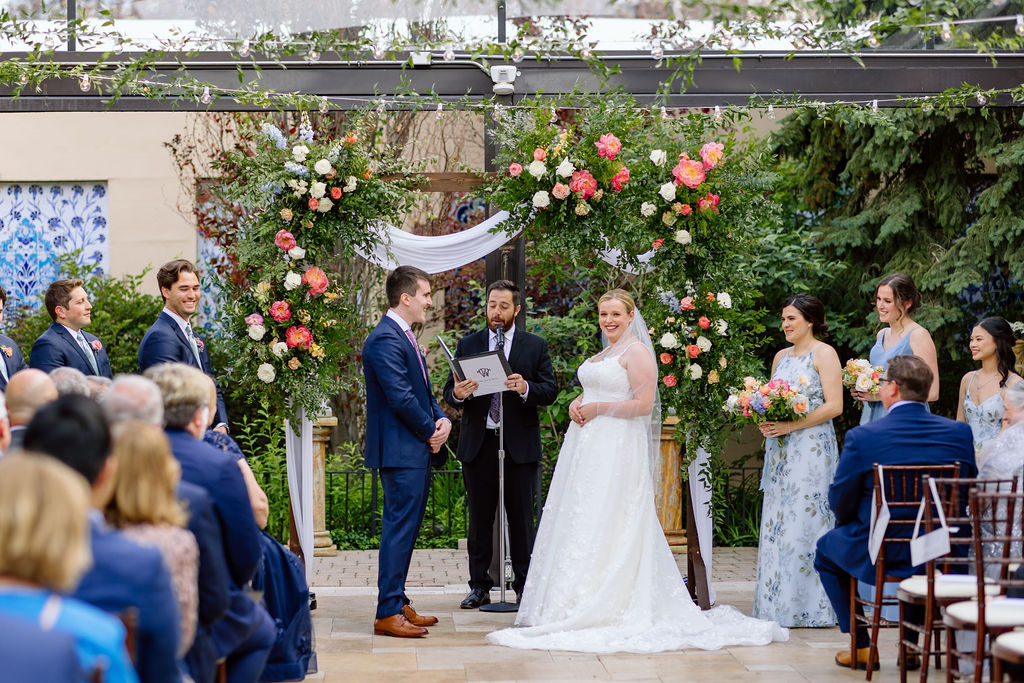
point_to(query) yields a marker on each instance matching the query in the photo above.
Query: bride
(602, 577)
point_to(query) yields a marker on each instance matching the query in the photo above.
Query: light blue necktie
(195, 347)
(88, 353)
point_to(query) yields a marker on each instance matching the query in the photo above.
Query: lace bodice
(604, 379)
(985, 418)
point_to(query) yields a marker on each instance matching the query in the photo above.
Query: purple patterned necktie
(412, 340)
(494, 411)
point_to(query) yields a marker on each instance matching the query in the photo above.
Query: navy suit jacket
(218, 473)
(908, 435)
(125, 574)
(164, 342)
(214, 578)
(14, 362)
(401, 411)
(56, 348)
(529, 357)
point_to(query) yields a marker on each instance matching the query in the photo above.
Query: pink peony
(620, 179)
(670, 380)
(560, 191)
(688, 172)
(280, 311)
(704, 323)
(298, 336)
(708, 203)
(584, 183)
(254, 319)
(316, 279)
(515, 169)
(686, 304)
(540, 154)
(711, 153)
(608, 146)
(284, 239)
(657, 243)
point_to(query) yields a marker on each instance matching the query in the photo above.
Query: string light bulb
(23, 79)
(313, 55)
(718, 113)
(85, 84)
(947, 31)
(874, 106)
(378, 52)
(771, 112)
(926, 106)
(664, 114)
(517, 55)
(206, 97)
(873, 40)
(440, 110)
(498, 110)
(1019, 28)
(325, 106)
(657, 52)
(981, 99)
(585, 52)
(449, 55)
(799, 43)
(243, 49)
(380, 107)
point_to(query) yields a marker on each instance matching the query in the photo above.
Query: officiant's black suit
(478, 452)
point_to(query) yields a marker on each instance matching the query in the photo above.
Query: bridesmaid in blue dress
(981, 391)
(799, 465)
(895, 299)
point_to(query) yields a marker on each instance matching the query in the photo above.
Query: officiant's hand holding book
(488, 371)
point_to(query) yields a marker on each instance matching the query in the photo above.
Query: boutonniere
(96, 345)
(8, 351)
(199, 344)
(423, 349)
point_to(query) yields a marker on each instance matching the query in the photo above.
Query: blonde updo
(619, 295)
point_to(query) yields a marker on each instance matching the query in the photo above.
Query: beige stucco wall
(127, 151)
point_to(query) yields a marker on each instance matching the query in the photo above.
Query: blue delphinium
(275, 134)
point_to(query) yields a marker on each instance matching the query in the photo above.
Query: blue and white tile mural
(39, 222)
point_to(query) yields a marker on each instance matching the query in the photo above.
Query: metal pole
(506, 560)
(501, 21)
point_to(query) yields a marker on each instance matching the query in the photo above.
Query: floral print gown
(798, 469)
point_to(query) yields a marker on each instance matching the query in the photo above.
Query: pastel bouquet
(776, 400)
(861, 375)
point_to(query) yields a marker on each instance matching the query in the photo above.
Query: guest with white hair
(97, 386)
(1003, 457)
(133, 397)
(70, 381)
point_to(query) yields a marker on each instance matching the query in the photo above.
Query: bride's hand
(574, 412)
(587, 412)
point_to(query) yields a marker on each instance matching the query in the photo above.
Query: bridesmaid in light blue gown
(799, 465)
(895, 299)
(981, 391)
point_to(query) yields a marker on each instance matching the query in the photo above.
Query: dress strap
(971, 384)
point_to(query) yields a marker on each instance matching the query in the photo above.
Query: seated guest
(145, 507)
(11, 360)
(70, 381)
(65, 343)
(30, 653)
(72, 429)
(134, 397)
(1003, 457)
(98, 386)
(907, 435)
(246, 633)
(44, 549)
(26, 392)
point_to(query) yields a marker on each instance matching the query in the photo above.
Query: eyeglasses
(885, 380)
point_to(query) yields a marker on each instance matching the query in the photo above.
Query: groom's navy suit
(401, 414)
(908, 435)
(56, 348)
(478, 449)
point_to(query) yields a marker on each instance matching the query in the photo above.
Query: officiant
(530, 385)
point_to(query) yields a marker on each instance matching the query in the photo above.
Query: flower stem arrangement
(776, 400)
(860, 374)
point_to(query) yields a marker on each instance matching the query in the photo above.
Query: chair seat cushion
(999, 612)
(1012, 642)
(947, 586)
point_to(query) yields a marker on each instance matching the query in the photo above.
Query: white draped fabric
(299, 458)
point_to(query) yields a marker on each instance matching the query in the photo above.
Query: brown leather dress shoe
(418, 619)
(843, 659)
(397, 626)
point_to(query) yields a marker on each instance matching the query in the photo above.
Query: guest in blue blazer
(11, 360)
(65, 343)
(124, 574)
(30, 653)
(246, 633)
(907, 435)
(133, 397)
(171, 338)
(44, 549)
(404, 425)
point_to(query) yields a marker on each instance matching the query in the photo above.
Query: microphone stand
(503, 550)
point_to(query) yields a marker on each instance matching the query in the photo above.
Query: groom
(404, 425)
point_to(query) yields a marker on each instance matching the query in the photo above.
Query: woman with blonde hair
(44, 550)
(145, 507)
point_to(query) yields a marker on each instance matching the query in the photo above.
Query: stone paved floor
(455, 650)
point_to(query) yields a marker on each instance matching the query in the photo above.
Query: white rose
(323, 167)
(647, 209)
(667, 191)
(703, 343)
(256, 332)
(695, 371)
(324, 205)
(292, 280)
(564, 169)
(266, 372)
(865, 383)
(668, 341)
(724, 300)
(279, 349)
(350, 184)
(299, 152)
(537, 169)
(683, 237)
(297, 252)
(658, 157)
(721, 326)
(541, 199)
(318, 190)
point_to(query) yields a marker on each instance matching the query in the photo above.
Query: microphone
(500, 331)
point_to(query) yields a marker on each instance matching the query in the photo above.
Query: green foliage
(121, 314)
(736, 503)
(260, 434)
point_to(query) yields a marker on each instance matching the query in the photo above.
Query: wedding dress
(602, 577)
